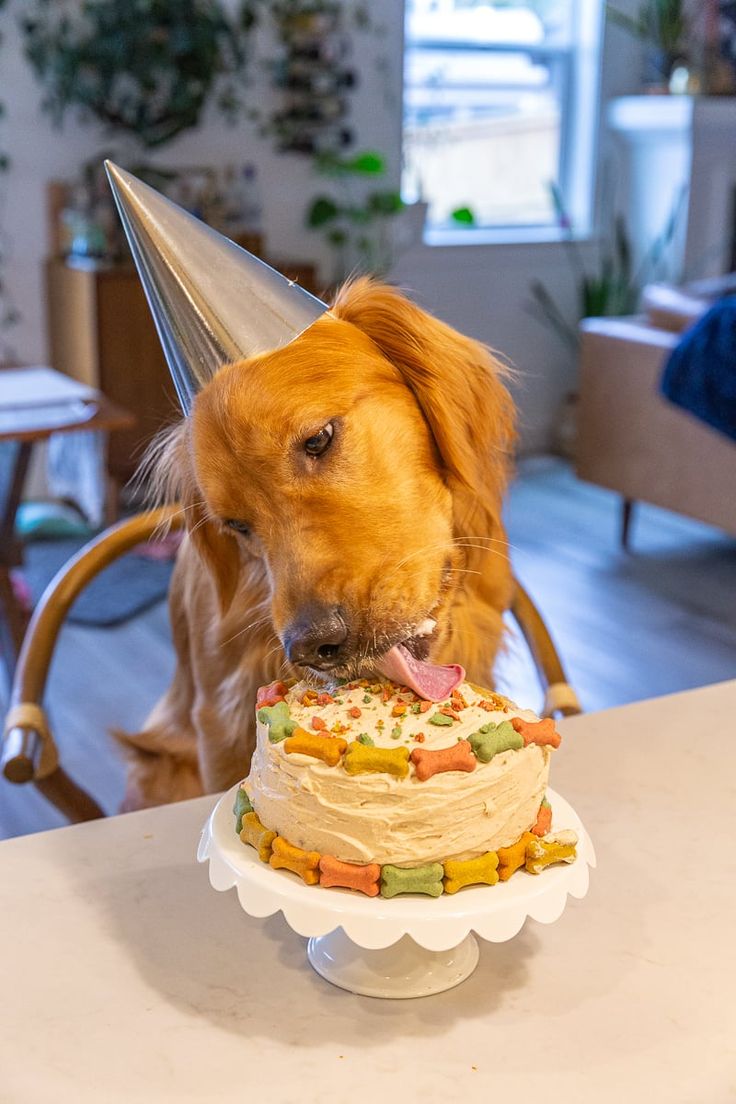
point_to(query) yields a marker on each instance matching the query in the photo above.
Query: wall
(479, 289)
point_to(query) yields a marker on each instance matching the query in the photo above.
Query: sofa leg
(627, 513)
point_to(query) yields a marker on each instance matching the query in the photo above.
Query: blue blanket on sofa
(700, 375)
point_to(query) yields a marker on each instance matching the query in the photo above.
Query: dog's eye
(320, 442)
(238, 526)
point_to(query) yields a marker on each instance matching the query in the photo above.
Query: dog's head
(348, 465)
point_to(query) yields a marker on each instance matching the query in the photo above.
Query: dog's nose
(317, 639)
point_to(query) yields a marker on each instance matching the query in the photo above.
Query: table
(27, 428)
(126, 978)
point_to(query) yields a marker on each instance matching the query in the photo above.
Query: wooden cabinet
(101, 332)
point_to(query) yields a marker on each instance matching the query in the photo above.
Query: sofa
(634, 442)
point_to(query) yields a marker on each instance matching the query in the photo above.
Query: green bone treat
(492, 739)
(278, 719)
(240, 808)
(416, 879)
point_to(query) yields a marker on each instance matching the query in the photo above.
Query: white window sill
(498, 235)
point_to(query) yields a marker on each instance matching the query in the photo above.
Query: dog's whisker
(241, 632)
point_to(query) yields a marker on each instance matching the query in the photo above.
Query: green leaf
(322, 211)
(368, 163)
(463, 216)
(385, 203)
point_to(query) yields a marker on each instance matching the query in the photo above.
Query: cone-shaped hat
(212, 301)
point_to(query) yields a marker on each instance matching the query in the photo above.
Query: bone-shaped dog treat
(559, 847)
(543, 822)
(364, 878)
(492, 739)
(254, 833)
(511, 859)
(459, 757)
(286, 856)
(417, 879)
(330, 749)
(480, 871)
(242, 805)
(278, 719)
(537, 732)
(361, 759)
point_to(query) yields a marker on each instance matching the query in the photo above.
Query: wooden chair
(29, 751)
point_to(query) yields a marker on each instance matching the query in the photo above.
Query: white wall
(479, 289)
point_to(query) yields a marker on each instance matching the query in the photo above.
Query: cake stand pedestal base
(402, 970)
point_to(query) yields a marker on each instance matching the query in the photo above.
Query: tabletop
(125, 977)
(91, 410)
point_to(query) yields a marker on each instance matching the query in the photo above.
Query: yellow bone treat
(480, 871)
(511, 859)
(286, 856)
(361, 759)
(555, 848)
(254, 833)
(330, 749)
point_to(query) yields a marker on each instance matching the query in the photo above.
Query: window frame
(579, 124)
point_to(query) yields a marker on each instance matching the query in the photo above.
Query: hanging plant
(147, 67)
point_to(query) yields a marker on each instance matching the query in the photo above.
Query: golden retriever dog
(342, 496)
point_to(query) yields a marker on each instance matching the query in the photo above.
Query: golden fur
(399, 520)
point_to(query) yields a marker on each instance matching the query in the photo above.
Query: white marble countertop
(125, 978)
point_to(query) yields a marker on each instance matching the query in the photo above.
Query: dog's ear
(457, 382)
(218, 551)
(168, 472)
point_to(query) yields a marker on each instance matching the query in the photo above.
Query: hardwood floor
(657, 619)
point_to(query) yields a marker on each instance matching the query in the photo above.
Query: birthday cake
(373, 788)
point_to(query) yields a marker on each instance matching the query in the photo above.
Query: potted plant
(664, 28)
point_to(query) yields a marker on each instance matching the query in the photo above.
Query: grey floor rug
(127, 587)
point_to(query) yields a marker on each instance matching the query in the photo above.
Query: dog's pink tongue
(430, 681)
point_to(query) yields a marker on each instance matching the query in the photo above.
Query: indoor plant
(664, 28)
(354, 220)
(145, 67)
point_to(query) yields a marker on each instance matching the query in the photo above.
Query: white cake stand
(407, 946)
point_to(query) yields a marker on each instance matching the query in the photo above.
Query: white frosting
(378, 818)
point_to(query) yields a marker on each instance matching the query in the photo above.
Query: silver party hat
(212, 302)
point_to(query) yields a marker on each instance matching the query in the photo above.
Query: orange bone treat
(365, 878)
(537, 732)
(254, 833)
(459, 757)
(511, 859)
(330, 749)
(544, 819)
(286, 856)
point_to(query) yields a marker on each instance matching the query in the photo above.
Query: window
(499, 107)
